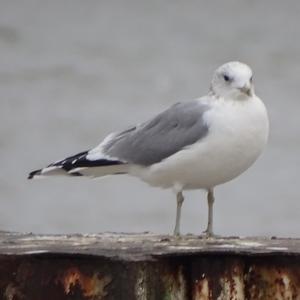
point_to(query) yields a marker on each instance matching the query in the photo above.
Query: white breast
(238, 132)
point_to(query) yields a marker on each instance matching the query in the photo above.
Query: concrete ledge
(147, 266)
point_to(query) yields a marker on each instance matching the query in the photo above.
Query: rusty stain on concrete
(202, 290)
(93, 287)
(267, 282)
(141, 284)
(174, 285)
(232, 283)
(12, 292)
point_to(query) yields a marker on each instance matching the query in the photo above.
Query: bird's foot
(176, 232)
(207, 234)
(177, 236)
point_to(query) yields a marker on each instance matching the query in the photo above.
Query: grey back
(167, 133)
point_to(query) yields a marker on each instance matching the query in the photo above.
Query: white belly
(238, 133)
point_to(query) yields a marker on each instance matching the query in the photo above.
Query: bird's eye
(226, 78)
(251, 79)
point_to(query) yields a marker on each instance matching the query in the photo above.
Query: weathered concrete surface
(142, 246)
(147, 266)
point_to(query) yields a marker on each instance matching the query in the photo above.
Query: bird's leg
(180, 199)
(210, 202)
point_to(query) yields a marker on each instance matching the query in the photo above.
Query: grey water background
(73, 71)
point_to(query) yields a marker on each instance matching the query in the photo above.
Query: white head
(233, 80)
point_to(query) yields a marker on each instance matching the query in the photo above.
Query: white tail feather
(101, 171)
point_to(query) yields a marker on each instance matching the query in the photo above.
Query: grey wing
(167, 133)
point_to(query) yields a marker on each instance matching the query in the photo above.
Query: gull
(196, 144)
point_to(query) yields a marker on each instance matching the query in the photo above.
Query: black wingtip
(33, 173)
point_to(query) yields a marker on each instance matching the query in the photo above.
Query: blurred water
(72, 71)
